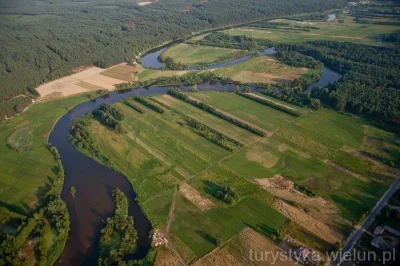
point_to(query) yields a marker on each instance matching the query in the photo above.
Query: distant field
(153, 74)
(197, 54)
(334, 31)
(261, 69)
(122, 72)
(159, 151)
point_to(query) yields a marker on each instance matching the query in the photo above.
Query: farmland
(292, 32)
(189, 54)
(308, 166)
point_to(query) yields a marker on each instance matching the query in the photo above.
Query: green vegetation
(72, 190)
(227, 195)
(189, 54)
(177, 94)
(146, 102)
(118, 238)
(110, 117)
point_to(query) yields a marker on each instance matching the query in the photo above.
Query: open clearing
(189, 54)
(92, 78)
(122, 72)
(262, 69)
(296, 150)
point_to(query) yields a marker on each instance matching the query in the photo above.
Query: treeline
(281, 25)
(171, 64)
(43, 49)
(109, 117)
(243, 42)
(270, 104)
(53, 215)
(371, 77)
(80, 137)
(13, 106)
(118, 238)
(179, 95)
(187, 79)
(146, 102)
(133, 106)
(212, 135)
(392, 37)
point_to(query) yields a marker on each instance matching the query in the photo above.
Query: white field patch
(144, 3)
(69, 85)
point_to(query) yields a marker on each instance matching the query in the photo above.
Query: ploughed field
(299, 179)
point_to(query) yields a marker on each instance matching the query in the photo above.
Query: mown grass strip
(179, 95)
(270, 104)
(146, 102)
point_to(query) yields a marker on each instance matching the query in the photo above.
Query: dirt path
(167, 228)
(347, 171)
(159, 155)
(268, 100)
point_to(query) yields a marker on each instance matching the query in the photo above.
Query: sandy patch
(196, 198)
(268, 100)
(267, 133)
(67, 86)
(347, 171)
(284, 188)
(313, 225)
(283, 147)
(144, 3)
(262, 157)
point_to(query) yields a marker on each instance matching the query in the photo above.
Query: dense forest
(371, 77)
(43, 40)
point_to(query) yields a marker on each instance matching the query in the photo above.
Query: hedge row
(179, 95)
(270, 104)
(146, 102)
(134, 107)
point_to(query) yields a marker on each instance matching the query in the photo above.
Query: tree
(72, 191)
(315, 104)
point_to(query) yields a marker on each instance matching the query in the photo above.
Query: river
(93, 202)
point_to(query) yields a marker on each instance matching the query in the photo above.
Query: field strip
(267, 133)
(282, 187)
(168, 100)
(347, 171)
(284, 147)
(336, 36)
(275, 102)
(308, 222)
(201, 202)
(361, 155)
(159, 155)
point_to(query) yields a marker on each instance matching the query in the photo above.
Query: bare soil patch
(262, 157)
(144, 3)
(67, 86)
(196, 198)
(103, 81)
(311, 224)
(347, 171)
(284, 188)
(166, 257)
(275, 102)
(122, 71)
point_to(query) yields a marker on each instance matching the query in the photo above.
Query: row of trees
(110, 117)
(179, 95)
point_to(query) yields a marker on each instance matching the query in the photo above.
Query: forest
(45, 40)
(371, 77)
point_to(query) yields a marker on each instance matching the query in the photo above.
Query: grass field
(26, 172)
(191, 55)
(334, 31)
(159, 151)
(261, 69)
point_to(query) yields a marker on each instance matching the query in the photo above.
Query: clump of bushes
(305, 190)
(146, 102)
(227, 195)
(110, 117)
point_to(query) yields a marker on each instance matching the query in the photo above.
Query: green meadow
(158, 152)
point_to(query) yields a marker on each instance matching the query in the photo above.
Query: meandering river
(93, 203)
